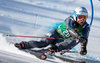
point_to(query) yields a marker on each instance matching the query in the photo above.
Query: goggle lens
(82, 17)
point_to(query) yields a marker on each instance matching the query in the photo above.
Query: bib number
(66, 33)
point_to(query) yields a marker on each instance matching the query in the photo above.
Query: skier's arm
(65, 45)
(69, 24)
(84, 40)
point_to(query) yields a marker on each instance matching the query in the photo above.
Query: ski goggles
(82, 17)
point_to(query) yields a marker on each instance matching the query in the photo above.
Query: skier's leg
(39, 44)
(45, 42)
(66, 45)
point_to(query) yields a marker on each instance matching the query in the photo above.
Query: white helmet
(80, 11)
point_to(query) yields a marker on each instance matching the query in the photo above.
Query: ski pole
(39, 37)
(62, 52)
(30, 36)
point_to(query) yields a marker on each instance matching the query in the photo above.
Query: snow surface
(35, 18)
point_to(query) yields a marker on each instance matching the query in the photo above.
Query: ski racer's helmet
(80, 11)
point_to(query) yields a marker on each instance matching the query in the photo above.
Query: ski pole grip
(8, 35)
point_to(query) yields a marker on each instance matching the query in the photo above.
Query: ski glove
(83, 50)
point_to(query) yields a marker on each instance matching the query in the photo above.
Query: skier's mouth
(82, 22)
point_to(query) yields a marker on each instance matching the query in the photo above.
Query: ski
(69, 60)
(41, 55)
(38, 53)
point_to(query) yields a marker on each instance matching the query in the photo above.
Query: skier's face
(81, 19)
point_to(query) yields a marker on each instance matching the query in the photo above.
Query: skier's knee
(22, 45)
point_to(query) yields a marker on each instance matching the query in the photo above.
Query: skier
(74, 27)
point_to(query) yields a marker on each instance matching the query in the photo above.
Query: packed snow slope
(36, 18)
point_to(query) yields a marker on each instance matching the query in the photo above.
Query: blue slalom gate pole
(92, 12)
